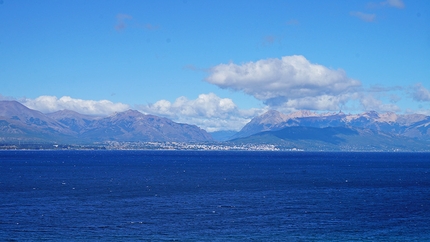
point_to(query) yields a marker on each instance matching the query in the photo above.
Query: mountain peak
(270, 117)
(132, 112)
(17, 111)
(371, 114)
(302, 114)
(12, 107)
(129, 113)
(388, 117)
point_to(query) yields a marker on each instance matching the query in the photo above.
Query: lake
(213, 196)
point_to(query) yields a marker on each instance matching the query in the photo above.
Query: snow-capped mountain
(410, 125)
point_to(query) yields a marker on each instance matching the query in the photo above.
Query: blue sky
(219, 63)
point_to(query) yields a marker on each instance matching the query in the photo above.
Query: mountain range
(339, 131)
(19, 123)
(305, 130)
(409, 125)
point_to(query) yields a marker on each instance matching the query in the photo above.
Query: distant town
(114, 145)
(189, 146)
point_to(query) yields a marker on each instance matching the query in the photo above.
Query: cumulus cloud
(291, 79)
(420, 93)
(367, 17)
(49, 104)
(208, 111)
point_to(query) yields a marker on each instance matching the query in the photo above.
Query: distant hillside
(411, 125)
(19, 123)
(76, 122)
(132, 125)
(334, 139)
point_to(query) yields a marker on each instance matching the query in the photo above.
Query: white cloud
(388, 3)
(323, 102)
(48, 104)
(364, 16)
(420, 93)
(208, 111)
(370, 103)
(394, 3)
(291, 80)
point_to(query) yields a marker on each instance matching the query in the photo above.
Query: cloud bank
(292, 81)
(208, 111)
(47, 104)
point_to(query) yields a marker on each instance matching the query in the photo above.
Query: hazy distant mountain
(19, 114)
(420, 129)
(411, 125)
(77, 122)
(132, 125)
(334, 139)
(19, 123)
(302, 130)
(270, 120)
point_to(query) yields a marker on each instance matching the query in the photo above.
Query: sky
(216, 64)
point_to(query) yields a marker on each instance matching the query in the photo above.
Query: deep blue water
(213, 196)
